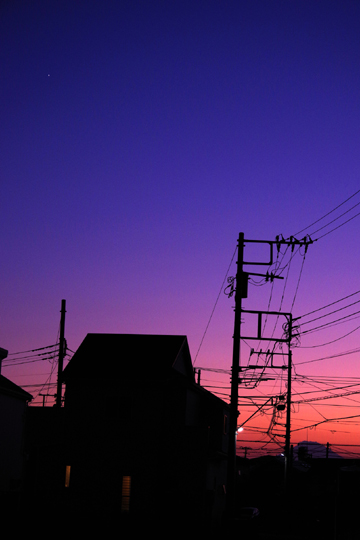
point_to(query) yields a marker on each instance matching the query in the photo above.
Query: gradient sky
(138, 138)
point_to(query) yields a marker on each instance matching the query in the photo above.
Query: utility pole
(288, 415)
(235, 369)
(239, 286)
(61, 354)
(286, 339)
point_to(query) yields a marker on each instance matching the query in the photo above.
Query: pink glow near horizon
(139, 139)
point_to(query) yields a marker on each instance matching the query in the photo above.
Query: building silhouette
(143, 440)
(13, 409)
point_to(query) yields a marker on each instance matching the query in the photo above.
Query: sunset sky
(138, 139)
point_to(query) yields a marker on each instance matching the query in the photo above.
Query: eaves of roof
(9, 388)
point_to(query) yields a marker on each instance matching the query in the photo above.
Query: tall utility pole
(61, 354)
(235, 369)
(288, 415)
(240, 289)
(286, 339)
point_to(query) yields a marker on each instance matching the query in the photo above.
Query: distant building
(13, 408)
(143, 439)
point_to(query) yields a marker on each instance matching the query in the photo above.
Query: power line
(341, 215)
(329, 342)
(338, 227)
(298, 283)
(29, 361)
(327, 420)
(33, 350)
(35, 385)
(328, 357)
(216, 302)
(331, 313)
(329, 305)
(331, 211)
(335, 322)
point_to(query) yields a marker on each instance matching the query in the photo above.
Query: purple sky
(139, 138)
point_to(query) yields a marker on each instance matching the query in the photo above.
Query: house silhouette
(13, 408)
(143, 440)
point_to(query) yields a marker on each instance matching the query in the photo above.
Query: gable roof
(129, 355)
(9, 388)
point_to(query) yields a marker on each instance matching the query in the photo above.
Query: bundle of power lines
(340, 393)
(49, 355)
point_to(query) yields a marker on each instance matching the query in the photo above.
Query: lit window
(67, 475)
(125, 494)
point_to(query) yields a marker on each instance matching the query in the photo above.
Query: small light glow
(240, 429)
